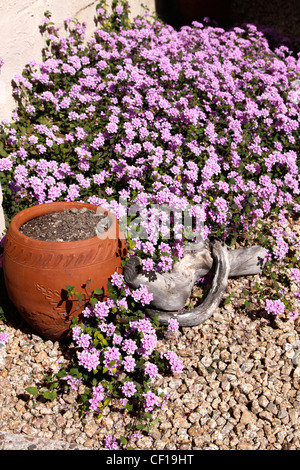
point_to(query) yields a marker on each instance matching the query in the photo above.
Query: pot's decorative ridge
(55, 299)
(22, 254)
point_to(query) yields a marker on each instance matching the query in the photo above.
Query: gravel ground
(239, 389)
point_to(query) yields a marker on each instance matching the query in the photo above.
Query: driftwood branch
(171, 290)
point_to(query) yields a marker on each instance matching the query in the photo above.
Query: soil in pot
(67, 225)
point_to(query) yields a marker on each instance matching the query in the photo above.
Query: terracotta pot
(36, 271)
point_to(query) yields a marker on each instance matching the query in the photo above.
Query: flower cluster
(4, 337)
(276, 307)
(115, 354)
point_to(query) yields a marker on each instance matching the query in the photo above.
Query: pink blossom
(151, 401)
(129, 389)
(276, 307)
(111, 443)
(174, 361)
(151, 370)
(295, 274)
(173, 324)
(4, 337)
(129, 363)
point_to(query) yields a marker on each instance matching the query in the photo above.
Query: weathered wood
(247, 261)
(171, 290)
(204, 311)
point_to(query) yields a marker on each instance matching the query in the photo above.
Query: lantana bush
(201, 120)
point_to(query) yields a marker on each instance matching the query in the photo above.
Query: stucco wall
(20, 38)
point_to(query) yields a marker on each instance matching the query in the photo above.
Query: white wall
(21, 41)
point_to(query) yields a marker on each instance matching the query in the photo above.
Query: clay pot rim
(40, 209)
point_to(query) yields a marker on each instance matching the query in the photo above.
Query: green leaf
(93, 301)
(123, 440)
(140, 427)
(98, 291)
(61, 373)
(74, 371)
(155, 421)
(70, 290)
(49, 395)
(74, 322)
(79, 296)
(32, 390)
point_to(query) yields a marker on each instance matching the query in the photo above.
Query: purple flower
(144, 326)
(142, 295)
(89, 359)
(6, 164)
(148, 264)
(117, 280)
(117, 339)
(110, 443)
(101, 310)
(151, 370)
(4, 337)
(129, 346)
(148, 344)
(151, 401)
(84, 341)
(173, 324)
(129, 389)
(129, 363)
(111, 359)
(73, 192)
(174, 361)
(295, 273)
(76, 332)
(98, 396)
(276, 307)
(73, 382)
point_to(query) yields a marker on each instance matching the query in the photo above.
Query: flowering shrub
(117, 360)
(201, 122)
